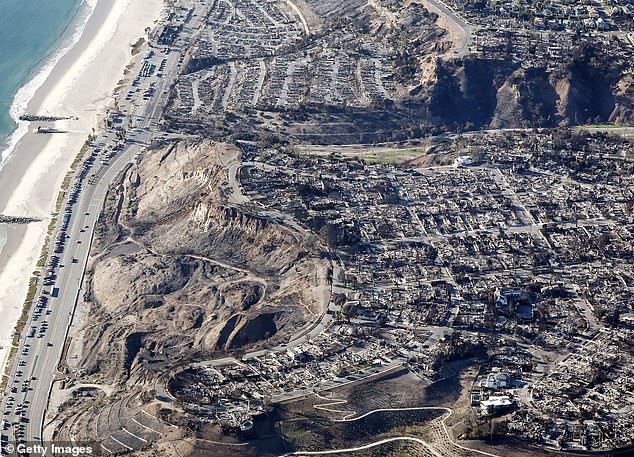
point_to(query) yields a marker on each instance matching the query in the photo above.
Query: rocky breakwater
(4, 219)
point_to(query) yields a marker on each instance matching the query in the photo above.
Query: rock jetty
(18, 219)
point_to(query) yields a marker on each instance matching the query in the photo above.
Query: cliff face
(526, 98)
(179, 273)
(589, 84)
(624, 101)
(589, 88)
(374, 71)
(466, 91)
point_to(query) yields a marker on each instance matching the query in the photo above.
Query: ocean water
(34, 35)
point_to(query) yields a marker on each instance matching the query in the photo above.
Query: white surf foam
(26, 93)
(3, 237)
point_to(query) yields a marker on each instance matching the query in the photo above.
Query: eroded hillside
(591, 85)
(179, 273)
(326, 72)
(364, 71)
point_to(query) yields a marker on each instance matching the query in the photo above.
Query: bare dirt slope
(179, 273)
(371, 71)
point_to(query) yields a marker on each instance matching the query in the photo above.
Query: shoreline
(80, 86)
(40, 73)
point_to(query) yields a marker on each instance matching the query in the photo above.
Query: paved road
(36, 364)
(429, 446)
(236, 197)
(623, 131)
(443, 9)
(368, 446)
(309, 332)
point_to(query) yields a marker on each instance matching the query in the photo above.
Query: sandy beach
(80, 86)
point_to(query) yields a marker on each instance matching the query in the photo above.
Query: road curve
(368, 446)
(41, 345)
(429, 447)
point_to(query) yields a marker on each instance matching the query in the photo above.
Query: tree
(348, 311)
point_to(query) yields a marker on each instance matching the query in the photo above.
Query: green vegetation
(395, 157)
(376, 156)
(30, 296)
(26, 308)
(601, 126)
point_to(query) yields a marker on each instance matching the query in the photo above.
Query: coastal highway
(41, 345)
